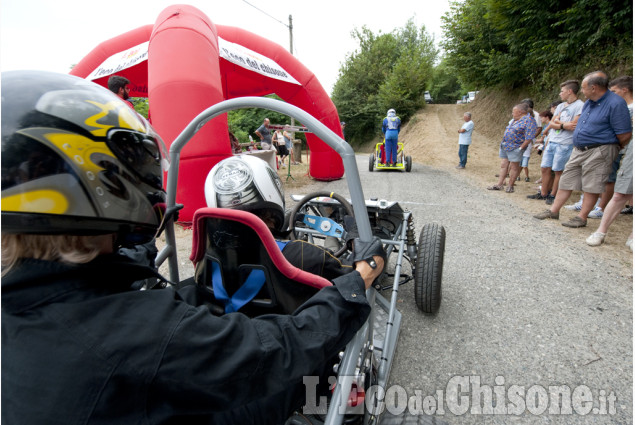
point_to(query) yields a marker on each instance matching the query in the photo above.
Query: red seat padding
(237, 240)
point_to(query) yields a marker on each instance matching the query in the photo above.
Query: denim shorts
(556, 156)
(512, 156)
(525, 161)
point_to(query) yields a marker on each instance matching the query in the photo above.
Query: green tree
(244, 122)
(386, 71)
(446, 87)
(502, 42)
(403, 89)
(472, 44)
(140, 105)
(364, 71)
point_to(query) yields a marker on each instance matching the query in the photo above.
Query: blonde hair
(71, 249)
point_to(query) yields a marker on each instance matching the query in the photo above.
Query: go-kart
(377, 159)
(318, 218)
(219, 236)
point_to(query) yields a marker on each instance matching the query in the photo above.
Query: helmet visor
(142, 154)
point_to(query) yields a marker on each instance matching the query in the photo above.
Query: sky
(52, 35)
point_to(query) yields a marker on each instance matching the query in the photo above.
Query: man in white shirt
(465, 139)
(560, 144)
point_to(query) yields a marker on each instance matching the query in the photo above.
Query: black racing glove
(365, 251)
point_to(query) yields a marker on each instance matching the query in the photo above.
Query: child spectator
(543, 139)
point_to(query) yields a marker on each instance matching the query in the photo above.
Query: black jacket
(78, 346)
(315, 259)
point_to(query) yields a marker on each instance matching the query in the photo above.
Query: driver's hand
(368, 273)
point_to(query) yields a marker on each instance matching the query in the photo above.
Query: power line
(262, 11)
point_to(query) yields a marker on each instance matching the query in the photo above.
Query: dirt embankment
(431, 138)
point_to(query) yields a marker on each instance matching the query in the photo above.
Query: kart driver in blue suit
(391, 128)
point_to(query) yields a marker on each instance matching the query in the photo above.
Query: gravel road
(525, 308)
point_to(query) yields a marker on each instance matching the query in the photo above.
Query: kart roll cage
(363, 340)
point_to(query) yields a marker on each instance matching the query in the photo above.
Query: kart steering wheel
(301, 217)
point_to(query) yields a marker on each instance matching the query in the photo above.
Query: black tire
(429, 268)
(371, 162)
(408, 163)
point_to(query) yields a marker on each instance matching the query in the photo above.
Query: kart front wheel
(371, 162)
(429, 268)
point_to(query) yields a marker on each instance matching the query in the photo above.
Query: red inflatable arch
(184, 64)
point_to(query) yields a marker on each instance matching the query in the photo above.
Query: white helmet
(246, 183)
(391, 113)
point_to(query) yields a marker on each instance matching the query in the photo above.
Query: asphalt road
(528, 318)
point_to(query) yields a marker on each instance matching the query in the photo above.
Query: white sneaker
(573, 207)
(596, 239)
(629, 244)
(596, 213)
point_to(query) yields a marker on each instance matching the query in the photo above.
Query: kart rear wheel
(371, 162)
(408, 163)
(429, 268)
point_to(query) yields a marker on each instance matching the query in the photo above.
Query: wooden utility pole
(291, 51)
(290, 34)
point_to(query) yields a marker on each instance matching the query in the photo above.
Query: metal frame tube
(386, 362)
(349, 361)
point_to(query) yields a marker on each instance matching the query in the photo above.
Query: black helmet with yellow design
(76, 159)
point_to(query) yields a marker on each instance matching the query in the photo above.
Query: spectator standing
(236, 148)
(120, 86)
(603, 128)
(527, 153)
(623, 87)
(288, 141)
(465, 139)
(625, 92)
(278, 139)
(557, 153)
(518, 134)
(391, 127)
(265, 135)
